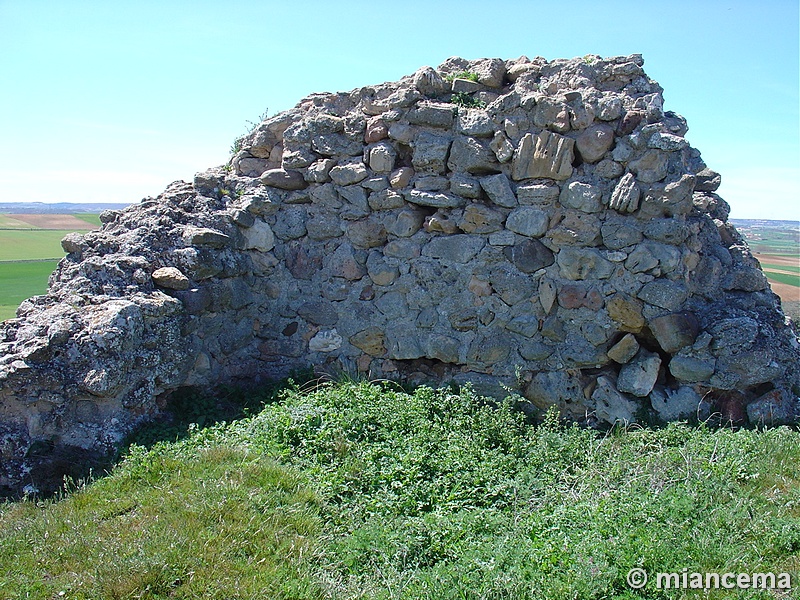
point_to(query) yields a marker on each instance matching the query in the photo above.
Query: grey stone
(502, 147)
(619, 234)
(480, 219)
(471, 156)
(325, 341)
(474, 122)
(430, 152)
(666, 141)
(205, 237)
(392, 304)
(433, 115)
(406, 223)
(381, 272)
(537, 194)
(465, 86)
(691, 369)
(528, 221)
(432, 183)
(356, 205)
(366, 233)
(385, 200)
(498, 188)
(259, 237)
(582, 196)
(664, 293)
(649, 256)
(349, 172)
(401, 177)
(638, 377)
(547, 155)
(319, 171)
(625, 197)
(669, 231)
(593, 143)
(611, 406)
(674, 405)
(382, 157)
(584, 263)
(429, 82)
(651, 167)
(406, 249)
(608, 169)
(708, 181)
(733, 335)
(73, 243)
(297, 158)
(550, 113)
(674, 331)
(402, 132)
(555, 388)
(502, 238)
(465, 186)
(436, 200)
(670, 199)
(284, 179)
(336, 144)
(459, 248)
(291, 224)
(529, 256)
(318, 312)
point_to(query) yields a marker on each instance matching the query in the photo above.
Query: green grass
(362, 491)
(31, 245)
(21, 280)
(786, 278)
(793, 268)
(91, 218)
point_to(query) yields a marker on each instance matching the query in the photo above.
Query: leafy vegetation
(464, 100)
(357, 490)
(468, 75)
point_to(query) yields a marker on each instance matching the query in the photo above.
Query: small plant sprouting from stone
(469, 75)
(464, 100)
(236, 147)
(589, 59)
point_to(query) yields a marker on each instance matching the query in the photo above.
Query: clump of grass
(464, 100)
(354, 490)
(469, 75)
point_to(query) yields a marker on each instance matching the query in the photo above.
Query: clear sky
(110, 101)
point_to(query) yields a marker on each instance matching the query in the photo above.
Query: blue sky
(109, 102)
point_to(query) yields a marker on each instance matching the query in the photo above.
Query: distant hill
(16, 208)
(742, 224)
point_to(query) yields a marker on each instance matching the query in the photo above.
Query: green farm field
(30, 248)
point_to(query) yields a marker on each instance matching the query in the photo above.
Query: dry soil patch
(54, 221)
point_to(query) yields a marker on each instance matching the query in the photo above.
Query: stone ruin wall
(559, 238)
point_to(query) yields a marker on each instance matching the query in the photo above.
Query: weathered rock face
(562, 240)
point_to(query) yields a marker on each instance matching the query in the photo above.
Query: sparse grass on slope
(361, 491)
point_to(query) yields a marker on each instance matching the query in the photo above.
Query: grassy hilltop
(357, 490)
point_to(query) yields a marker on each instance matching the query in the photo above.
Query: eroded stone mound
(528, 225)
